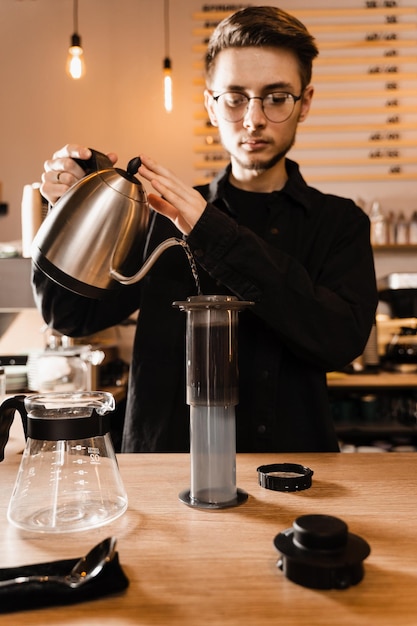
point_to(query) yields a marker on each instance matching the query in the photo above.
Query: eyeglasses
(277, 106)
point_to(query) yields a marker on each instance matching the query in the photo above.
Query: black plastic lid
(319, 552)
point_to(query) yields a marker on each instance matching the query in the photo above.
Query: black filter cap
(319, 552)
(285, 476)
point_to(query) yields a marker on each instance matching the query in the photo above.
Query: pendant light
(167, 65)
(75, 59)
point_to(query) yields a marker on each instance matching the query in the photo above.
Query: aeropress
(212, 393)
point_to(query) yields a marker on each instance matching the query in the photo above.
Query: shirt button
(261, 429)
(274, 231)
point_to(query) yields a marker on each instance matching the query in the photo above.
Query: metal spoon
(84, 570)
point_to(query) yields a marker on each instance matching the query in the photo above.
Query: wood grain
(197, 568)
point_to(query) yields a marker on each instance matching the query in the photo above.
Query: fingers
(180, 203)
(165, 208)
(162, 206)
(72, 150)
(61, 171)
(163, 180)
(112, 156)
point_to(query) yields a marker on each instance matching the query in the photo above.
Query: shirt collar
(295, 187)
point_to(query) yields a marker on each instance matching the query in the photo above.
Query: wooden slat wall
(363, 124)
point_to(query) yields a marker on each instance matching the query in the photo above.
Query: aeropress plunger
(212, 393)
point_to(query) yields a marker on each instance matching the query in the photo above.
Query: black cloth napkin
(26, 596)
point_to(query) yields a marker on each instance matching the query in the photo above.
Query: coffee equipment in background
(63, 365)
(401, 351)
(399, 290)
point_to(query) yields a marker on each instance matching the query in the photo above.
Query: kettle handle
(98, 161)
(7, 411)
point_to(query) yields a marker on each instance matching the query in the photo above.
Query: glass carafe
(68, 478)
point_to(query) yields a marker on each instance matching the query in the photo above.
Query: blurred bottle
(412, 235)
(401, 231)
(31, 216)
(391, 223)
(378, 225)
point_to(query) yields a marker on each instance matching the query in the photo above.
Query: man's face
(255, 143)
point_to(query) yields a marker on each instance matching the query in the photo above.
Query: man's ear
(208, 103)
(306, 103)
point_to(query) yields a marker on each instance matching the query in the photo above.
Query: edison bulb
(75, 60)
(167, 85)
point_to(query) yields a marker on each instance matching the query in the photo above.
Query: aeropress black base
(185, 497)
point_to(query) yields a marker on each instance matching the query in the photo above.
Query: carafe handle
(7, 411)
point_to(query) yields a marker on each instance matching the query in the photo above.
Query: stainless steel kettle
(91, 241)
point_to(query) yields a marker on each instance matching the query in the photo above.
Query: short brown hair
(263, 26)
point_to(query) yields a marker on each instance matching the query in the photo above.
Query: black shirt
(303, 257)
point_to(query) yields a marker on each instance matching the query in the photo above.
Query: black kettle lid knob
(133, 166)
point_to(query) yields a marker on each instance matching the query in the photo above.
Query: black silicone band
(301, 478)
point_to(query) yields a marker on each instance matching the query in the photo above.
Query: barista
(259, 232)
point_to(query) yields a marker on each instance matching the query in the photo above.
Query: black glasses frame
(261, 98)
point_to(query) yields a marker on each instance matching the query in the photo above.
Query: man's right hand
(61, 172)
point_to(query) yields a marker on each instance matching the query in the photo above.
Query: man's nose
(254, 114)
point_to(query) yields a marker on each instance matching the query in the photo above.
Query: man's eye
(277, 98)
(235, 100)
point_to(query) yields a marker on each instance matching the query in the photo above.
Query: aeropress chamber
(212, 394)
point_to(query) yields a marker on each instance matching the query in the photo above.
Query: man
(257, 232)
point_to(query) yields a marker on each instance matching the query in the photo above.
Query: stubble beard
(259, 165)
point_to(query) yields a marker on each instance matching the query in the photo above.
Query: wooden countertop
(381, 379)
(198, 568)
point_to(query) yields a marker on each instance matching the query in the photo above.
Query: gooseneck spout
(129, 280)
